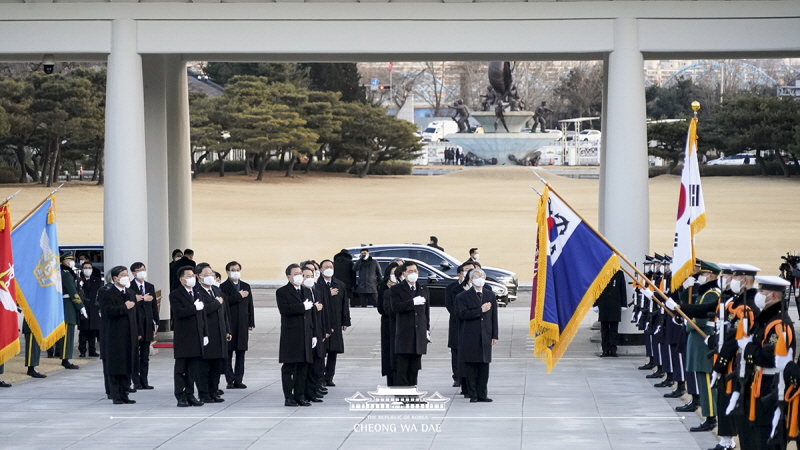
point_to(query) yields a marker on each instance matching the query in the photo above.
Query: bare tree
(431, 87)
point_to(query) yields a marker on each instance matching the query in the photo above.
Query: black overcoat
(338, 314)
(450, 293)
(146, 312)
(188, 324)
(613, 297)
(477, 328)
(89, 288)
(216, 322)
(241, 313)
(296, 325)
(120, 335)
(412, 322)
(369, 275)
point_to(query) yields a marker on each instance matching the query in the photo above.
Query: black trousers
(315, 376)
(187, 371)
(208, 381)
(726, 425)
(88, 337)
(234, 372)
(368, 299)
(141, 364)
(293, 377)
(117, 386)
(609, 333)
(330, 366)
(106, 378)
(477, 375)
(408, 367)
(454, 363)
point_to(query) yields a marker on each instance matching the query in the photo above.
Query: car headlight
(499, 290)
(507, 279)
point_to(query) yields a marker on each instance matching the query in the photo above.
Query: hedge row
(773, 168)
(384, 168)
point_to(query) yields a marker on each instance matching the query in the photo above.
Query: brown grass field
(267, 225)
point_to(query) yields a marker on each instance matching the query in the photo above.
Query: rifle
(741, 373)
(779, 436)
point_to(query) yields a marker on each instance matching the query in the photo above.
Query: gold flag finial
(695, 107)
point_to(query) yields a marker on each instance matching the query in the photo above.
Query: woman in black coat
(120, 337)
(384, 308)
(476, 309)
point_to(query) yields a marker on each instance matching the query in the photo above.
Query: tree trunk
(261, 166)
(54, 164)
(19, 150)
(45, 163)
(282, 161)
(761, 163)
(367, 164)
(292, 162)
(222, 156)
(36, 168)
(784, 167)
(101, 164)
(672, 166)
(96, 162)
(247, 160)
(333, 159)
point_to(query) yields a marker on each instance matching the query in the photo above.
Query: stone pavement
(586, 403)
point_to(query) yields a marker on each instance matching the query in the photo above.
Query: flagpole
(9, 198)
(37, 207)
(617, 252)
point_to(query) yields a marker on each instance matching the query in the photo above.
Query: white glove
(689, 282)
(429, 335)
(83, 313)
(714, 376)
(313, 342)
(782, 361)
(623, 308)
(732, 402)
(658, 328)
(744, 341)
(418, 300)
(205, 341)
(706, 341)
(670, 303)
(198, 305)
(307, 305)
(648, 293)
(596, 309)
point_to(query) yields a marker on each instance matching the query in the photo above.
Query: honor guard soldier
(72, 307)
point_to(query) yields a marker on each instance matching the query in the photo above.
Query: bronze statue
(488, 99)
(461, 116)
(538, 117)
(499, 116)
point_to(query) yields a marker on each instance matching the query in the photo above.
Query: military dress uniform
(32, 352)
(72, 309)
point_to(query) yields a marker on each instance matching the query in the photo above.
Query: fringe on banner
(9, 351)
(549, 346)
(698, 224)
(45, 342)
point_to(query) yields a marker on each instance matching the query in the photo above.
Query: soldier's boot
(691, 406)
(708, 425)
(668, 382)
(678, 392)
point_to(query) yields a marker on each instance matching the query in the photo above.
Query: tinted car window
(392, 253)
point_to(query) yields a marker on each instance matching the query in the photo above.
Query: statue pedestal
(515, 120)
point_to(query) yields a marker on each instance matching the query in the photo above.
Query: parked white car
(590, 135)
(734, 160)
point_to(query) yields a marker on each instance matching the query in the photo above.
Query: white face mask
(125, 282)
(392, 278)
(208, 281)
(736, 286)
(87, 272)
(702, 279)
(475, 256)
(141, 275)
(412, 277)
(71, 264)
(176, 258)
(761, 300)
(216, 283)
(235, 275)
(721, 283)
(317, 274)
(478, 282)
(190, 282)
(297, 280)
(308, 282)
(328, 273)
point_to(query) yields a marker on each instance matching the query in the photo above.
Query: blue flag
(573, 266)
(38, 273)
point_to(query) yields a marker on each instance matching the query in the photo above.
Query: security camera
(48, 63)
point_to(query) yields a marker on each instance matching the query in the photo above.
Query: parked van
(437, 130)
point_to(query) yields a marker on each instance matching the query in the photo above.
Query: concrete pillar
(155, 106)
(603, 119)
(125, 200)
(178, 148)
(625, 213)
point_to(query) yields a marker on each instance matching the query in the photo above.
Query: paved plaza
(586, 403)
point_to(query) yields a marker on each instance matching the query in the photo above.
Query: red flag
(391, 65)
(9, 333)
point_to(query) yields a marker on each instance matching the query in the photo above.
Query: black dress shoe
(303, 403)
(82, 355)
(658, 374)
(722, 447)
(69, 365)
(330, 383)
(677, 393)
(484, 400)
(147, 387)
(456, 384)
(138, 386)
(182, 403)
(230, 386)
(220, 392)
(689, 407)
(4, 384)
(118, 402)
(665, 383)
(94, 354)
(130, 390)
(128, 401)
(217, 399)
(316, 400)
(290, 403)
(238, 385)
(473, 400)
(613, 354)
(708, 425)
(320, 393)
(195, 402)
(322, 389)
(648, 366)
(207, 399)
(34, 374)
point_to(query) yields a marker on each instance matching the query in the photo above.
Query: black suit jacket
(296, 325)
(188, 325)
(216, 322)
(450, 293)
(241, 313)
(146, 312)
(412, 322)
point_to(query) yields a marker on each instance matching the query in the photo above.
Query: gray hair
(477, 273)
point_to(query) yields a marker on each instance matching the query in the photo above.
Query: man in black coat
(119, 343)
(412, 329)
(89, 327)
(450, 293)
(147, 321)
(338, 315)
(315, 385)
(190, 336)
(296, 341)
(187, 260)
(343, 271)
(177, 254)
(369, 275)
(216, 351)
(476, 309)
(610, 305)
(241, 317)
